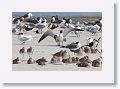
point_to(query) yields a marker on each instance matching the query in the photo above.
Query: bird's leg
(22, 56)
(62, 43)
(58, 43)
(22, 43)
(41, 31)
(29, 55)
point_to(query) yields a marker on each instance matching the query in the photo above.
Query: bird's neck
(61, 34)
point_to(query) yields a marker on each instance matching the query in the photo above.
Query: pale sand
(46, 48)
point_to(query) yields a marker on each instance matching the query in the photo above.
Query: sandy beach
(47, 47)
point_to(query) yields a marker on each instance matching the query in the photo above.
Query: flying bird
(58, 37)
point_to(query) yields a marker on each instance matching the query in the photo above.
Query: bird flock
(73, 52)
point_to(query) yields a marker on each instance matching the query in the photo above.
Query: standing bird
(40, 26)
(30, 51)
(27, 16)
(52, 26)
(28, 28)
(22, 52)
(58, 37)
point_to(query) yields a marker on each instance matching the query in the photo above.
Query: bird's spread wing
(66, 31)
(71, 28)
(47, 33)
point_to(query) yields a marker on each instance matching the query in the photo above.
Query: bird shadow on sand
(47, 45)
(21, 44)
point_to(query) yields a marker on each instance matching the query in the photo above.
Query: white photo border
(104, 76)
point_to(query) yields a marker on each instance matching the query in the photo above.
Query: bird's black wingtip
(39, 41)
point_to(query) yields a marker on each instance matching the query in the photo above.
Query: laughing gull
(92, 42)
(27, 27)
(40, 26)
(52, 26)
(92, 29)
(27, 16)
(58, 37)
(74, 46)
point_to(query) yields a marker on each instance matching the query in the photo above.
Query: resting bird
(92, 42)
(74, 46)
(24, 37)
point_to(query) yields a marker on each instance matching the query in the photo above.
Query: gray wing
(47, 33)
(66, 31)
(72, 46)
(40, 26)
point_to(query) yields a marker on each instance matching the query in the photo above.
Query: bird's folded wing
(72, 46)
(24, 38)
(47, 33)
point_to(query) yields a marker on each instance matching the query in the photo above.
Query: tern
(24, 37)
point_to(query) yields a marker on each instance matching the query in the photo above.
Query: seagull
(74, 46)
(40, 26)
(15, 30)
(35, 20)
(74, 28)
(53, 19)
(92, 29)
(77, 23)
(92, 42)
(27, 28)
(52, 26)
(27, 16)
(24, 37)
(58, 37)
